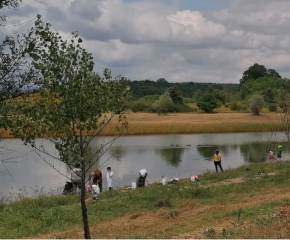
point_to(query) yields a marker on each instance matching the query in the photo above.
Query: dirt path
(189, 220)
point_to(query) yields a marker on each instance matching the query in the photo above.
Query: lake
(26, 173)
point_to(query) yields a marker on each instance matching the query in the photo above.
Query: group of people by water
(95, 178)
(96, 182)
(278, 152)
(217, 157)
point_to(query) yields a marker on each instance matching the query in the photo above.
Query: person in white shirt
(109, 179)
(76, 177)
(142, 177)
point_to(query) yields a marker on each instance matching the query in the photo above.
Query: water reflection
(171, 156)
(207, 151)
(254, 152)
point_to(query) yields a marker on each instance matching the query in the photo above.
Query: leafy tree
(270, 96)
(175, 95)
(219, 95)
(207, 103)
(259, 71)
(256, 103)
(272, 107)
(197, 95)
(8, 4)
(162, 80)
(272, 73)
(74, 104)
(254, 72)
(261, 86)
(163, 105)
(16, 72)
(143, 88)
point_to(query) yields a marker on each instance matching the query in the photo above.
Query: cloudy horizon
(179, 40)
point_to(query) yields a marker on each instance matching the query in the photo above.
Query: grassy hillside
(233, 204)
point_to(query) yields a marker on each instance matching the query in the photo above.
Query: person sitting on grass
(217, 161)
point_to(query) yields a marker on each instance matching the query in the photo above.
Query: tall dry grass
(148, 123)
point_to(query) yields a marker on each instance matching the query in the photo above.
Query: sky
(179, 40)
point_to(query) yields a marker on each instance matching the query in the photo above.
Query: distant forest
(144, 88)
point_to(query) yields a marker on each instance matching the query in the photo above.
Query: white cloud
(148, 40)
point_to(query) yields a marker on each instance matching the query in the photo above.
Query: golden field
(181, 123)
(146, 123)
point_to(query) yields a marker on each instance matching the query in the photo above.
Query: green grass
(31, 217)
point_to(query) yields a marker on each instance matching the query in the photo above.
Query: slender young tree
(74, 104)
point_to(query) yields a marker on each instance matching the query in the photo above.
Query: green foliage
(197, 95)
(144, 104)
(73, 102)
(73, 97)
(163, 105)
(270, 96)
(188, 100)
(220, 96)
(284, 100)
(256, 103)
(175, 95)
(272, 107)
(148, 87)
(182, 108)
(268, 87)
(236, 106)
(259, 71)
(207, 103)
(141, 106)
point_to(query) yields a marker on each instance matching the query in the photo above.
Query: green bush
(141, 106)
(163, 105)
(207, 103)
(256, 104)
(182, 108)
(236, 106)
(272, 107)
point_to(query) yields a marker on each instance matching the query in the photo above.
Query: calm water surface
(25, 172)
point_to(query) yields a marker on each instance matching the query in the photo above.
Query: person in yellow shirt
(217, 160)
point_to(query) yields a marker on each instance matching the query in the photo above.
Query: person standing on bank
(279, 153)
(76, 178)
(217, 160)
(109, 179)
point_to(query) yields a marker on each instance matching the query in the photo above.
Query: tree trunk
(85, 212)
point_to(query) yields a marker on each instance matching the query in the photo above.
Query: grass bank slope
(233, 204)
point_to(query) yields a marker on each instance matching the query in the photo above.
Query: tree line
(259, 87)
(142, 88)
